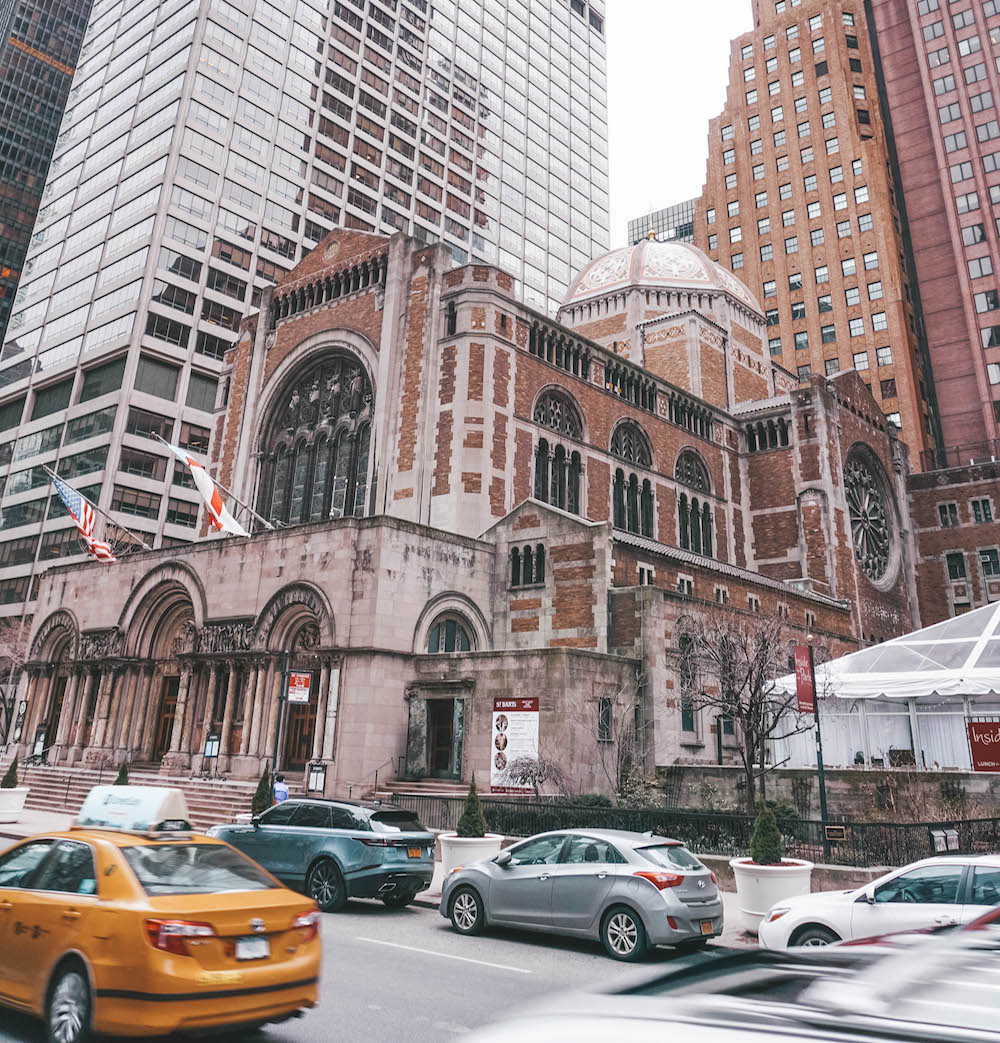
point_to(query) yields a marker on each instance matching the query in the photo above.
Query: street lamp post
(282, 699)
(819, 744)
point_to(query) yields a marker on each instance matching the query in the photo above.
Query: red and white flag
(217, 512)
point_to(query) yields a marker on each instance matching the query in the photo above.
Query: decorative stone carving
(870, 528)
(235, 636)
(102, 644)
(183, 643)
(297, 594)
(57, 621)
(308, 638)
(336, 389)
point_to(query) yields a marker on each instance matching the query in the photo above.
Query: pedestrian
(280, 788)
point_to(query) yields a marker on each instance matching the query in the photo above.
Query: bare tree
(13, 655)
(534, 773)
(728, 663)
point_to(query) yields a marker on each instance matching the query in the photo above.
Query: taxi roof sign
(150, 810)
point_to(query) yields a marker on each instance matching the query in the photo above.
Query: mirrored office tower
(206, 146)
(39, 44)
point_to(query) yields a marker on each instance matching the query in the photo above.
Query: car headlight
(777, 913)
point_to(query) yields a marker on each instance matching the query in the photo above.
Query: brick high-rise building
(940, 74)
(39, 45)
(206, 148)
(799, 202)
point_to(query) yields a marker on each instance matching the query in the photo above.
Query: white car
(949, 889)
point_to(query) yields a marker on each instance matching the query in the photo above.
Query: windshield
(670, 856)
(396, 822)
(181, 869)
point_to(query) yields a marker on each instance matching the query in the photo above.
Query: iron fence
(711, 833)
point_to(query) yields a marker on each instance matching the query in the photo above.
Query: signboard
(984, 743)
(298, 687)
(514, 736)
(836, 832)
(805, 691)
(138, 809)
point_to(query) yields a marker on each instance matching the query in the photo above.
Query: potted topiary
(263, 798)
(122, 779)
(12, 796)
(470, 843)
(767, 877)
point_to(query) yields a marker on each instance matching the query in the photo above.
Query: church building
(472, 502)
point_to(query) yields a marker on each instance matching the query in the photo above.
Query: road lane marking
(444, 955)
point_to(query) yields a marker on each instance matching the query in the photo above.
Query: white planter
(12, 803)
(759, 888)
(463, 851)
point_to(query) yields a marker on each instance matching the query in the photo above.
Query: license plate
(414, 852)
(252, 948)
(706, 927)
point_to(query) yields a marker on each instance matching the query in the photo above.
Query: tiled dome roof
(669, 265)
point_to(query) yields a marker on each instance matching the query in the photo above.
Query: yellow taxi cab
(129, 924)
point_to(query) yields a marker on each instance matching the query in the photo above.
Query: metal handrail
(359, 782)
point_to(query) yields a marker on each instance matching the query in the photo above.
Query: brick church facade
(473, 501)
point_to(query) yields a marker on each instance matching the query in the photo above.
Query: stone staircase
(210, 801)
(420, 788)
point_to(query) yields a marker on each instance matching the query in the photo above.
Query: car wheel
(815, 935)
(467, 911)
(67, 1013)
(623, 934)
(399, 901)
(325, 886)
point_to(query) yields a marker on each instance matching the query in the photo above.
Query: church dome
(656, 266)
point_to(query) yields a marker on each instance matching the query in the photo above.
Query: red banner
(984, 742)
(805, 692)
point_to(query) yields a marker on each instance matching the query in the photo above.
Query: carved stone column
(254, 683)
(182, 709)
(332, 707)
(227, 713)
(150, 701)
(214, 669)
(116, 706)
(68, 713)
(124, 732)
(272, 713)
(103, 702)
(30, 695)
(195, 686)
(80, 724)
(36, 710)
(324, 691)
(260, 706)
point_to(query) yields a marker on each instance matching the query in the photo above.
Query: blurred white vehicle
(934, 892)
(938, 989)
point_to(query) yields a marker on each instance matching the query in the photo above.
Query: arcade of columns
(112, 710)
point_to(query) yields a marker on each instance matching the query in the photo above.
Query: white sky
(668, 67)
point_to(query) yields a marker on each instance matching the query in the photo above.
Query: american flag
(81, 510)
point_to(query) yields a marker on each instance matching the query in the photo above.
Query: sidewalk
(31, 822)
(733, 936)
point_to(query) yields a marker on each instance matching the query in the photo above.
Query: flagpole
(105, 514)
(267, 524)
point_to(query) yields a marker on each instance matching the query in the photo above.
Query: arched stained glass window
(449, 633)
(691, 471)
(629, 442)
(317, 442)
(558, 413)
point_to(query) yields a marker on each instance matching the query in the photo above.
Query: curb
(427, 899)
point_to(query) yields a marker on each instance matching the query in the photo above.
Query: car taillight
(308, 923)
(661, 881)
(375, 841)
(715, 879)
(170, 935)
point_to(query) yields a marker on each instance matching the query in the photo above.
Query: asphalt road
(405, 975)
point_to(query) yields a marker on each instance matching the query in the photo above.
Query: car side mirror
(870, 894)
(503, 859)
(255, 821)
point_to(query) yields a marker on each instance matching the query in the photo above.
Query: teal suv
(339, 849)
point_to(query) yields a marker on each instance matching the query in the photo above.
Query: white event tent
(906, 700)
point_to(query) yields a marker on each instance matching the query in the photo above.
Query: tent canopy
(956, 658)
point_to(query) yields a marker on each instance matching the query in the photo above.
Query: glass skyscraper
(39, 44)
(205, 148)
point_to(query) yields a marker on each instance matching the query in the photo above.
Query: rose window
(869, 524)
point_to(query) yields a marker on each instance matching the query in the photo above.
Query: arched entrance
(299, 733)
(55, 648)
(160, 636)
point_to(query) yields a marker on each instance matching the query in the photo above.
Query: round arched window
(316, 444)
(556, 412)
(629, 442)
(871, 527)
(449, 633)
(691, 471)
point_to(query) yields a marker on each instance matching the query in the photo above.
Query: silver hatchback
(631, 891)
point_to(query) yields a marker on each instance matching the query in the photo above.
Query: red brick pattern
(477, 362)
(413, 359)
